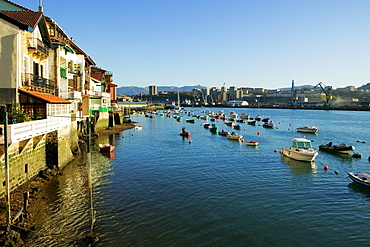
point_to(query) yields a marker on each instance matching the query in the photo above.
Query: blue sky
(250, 43)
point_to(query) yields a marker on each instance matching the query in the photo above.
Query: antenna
(40, 7)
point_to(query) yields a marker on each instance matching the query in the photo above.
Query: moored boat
(223, 133)
(234, 136)
(138, 127)
(268, 124)
(362, 179)
(341, 148)
(214, 129)
(237, 127)
(301, 149)
(184, 133)
(251, 143)
(190, 120)
(206, 125)
(252, 121)
(106, 147)
(308, 129)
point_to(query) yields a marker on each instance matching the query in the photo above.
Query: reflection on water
(299, 167)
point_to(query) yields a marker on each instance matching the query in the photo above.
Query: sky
(243, 43)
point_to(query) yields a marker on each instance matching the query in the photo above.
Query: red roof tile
(46, 97)
(28, 18)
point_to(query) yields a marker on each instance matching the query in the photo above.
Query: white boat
(301, 149)
(251, 143)
(233, 115)
(308, 129)
(234, 136)
(138, 127)
(244, 116)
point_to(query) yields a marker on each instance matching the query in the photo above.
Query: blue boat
(214, 129)
(362, 179)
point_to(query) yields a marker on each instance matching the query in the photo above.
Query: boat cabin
(301, 143)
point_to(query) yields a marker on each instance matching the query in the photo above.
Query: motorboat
(308, 129)
(252, 121)
(232, 116)
(341, 148)
(237, 127)
(223, 133)
(214, 129)
(362, 179)
(268, 124)
(190, 120)
(251, 143)
(231, 124)
(106, 147)
(301, 149)
(234, 136)
(206, 125)
(244, 116)
(258, 118)
(265, 120)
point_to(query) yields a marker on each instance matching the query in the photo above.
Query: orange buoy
(281, 151)
(190, 142)
(258, 133)
(326, 167)
(242, 140)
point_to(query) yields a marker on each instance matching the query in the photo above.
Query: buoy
(242, 140)
(281, 151)
(326, 167)
(244, 129)
(278, 122)
(258, 133)
(290, 124)
(132, 134)
(275, 150)
(190, 142)
(336, 172)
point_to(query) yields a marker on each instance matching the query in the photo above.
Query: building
(153, 90)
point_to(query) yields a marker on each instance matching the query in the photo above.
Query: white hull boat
(308, 129)
(301, 150)
(234, 136)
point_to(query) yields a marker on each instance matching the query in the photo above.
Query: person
(183, 130)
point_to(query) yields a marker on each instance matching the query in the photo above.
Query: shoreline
(35, 188)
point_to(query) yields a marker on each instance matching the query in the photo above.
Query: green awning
(68, 48)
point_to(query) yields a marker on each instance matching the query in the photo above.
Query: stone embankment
(33, 191)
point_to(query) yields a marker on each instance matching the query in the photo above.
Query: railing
(22, 131)
(29, 79)
(39, 45)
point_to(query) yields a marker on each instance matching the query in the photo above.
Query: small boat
(184, 133)
(223, 133)
(190, 120)
(234, 136)
(252, 121)
(138, 128)
(106, 147)
(231, 124)
(265, 120)
(179, 119)
(240, 121)
(362, 179)
(258, 118)
(232, 115)
(237, 127)
(308, 129)
(268, 124)
(244, 116)
(251, 143)
(341, 148)
(206, 125)
(301, 149)
(214, 129)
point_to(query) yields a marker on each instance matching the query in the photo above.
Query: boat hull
(336, 149)
(307, 129)
(360, 179)
(251, 143)
(301, 154)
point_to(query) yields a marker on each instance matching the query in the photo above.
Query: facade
(153, 90)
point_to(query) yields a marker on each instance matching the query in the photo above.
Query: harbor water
(158, 189)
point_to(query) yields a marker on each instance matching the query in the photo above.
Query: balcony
(35, 43)
(37, 81)
(74, 95)
(23, 131)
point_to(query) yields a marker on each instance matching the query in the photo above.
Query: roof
(28, 18)
(48, 98)
(17, 5)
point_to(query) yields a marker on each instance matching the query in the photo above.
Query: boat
(106, 147)
(265, 120)
(258, 118)
(179, 119)
(190, 120)
(231, 124)
(244, 116)
(268, 124)
(234, 136)
(223, 133)
(138, 127)
(214, 129)
(184, 133)
(341, 148)
(237, 127)
(361, 178)
(308, 129)
(240, 121)
(301, 149)
(252, 121)
(251, 143)
(232, 116)
(206, 125)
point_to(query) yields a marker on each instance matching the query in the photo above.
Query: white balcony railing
(22, 131)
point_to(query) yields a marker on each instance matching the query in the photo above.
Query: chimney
(40, 7)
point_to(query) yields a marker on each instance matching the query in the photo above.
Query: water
(159, 190)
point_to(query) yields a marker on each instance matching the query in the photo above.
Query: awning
(68, 48)
(48, 98)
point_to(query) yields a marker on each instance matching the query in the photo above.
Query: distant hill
(365, 87)
(121, 91)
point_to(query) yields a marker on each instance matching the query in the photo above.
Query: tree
(18, 115)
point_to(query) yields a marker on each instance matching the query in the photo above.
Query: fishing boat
(244, 116)
(234, 136)
(251, 143)
(341, 148)
(223, 133)
(301, 149)
(307, 129)
(214, 129)
(268, 124)
(106, 147)
(362, 179)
